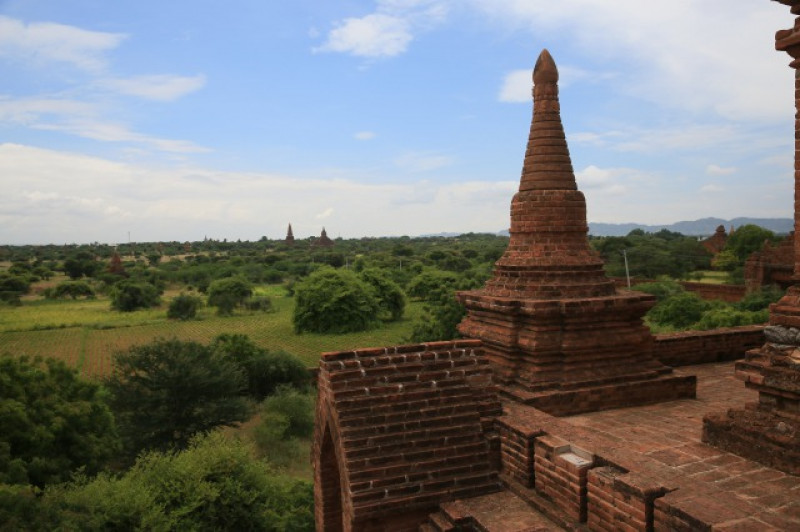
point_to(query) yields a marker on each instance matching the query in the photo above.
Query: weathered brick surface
(716, 242)
(701, 347)
(550, 319)
(402, 429)
(769, 431)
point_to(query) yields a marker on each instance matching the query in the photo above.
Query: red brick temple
(716, 242)
(557, 333)
(323, 240)
(768, 430)
(556, 415)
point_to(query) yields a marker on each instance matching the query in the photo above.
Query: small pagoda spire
(289, 235)
(547, 162)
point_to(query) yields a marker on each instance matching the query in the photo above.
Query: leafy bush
(760, 299)
(679, 311)
(661, 289)
(440, 317)
(228, 293)
(165, 392)
(266, 370)
(390, 296)
(259, 303)
(730, 317)
(72, 289)
(127, 296)
(427, 284)
(53, 422)
(334, 301)
(12, 287)
(296, 406)
(285, 416)
(215, 484)
(184, 307)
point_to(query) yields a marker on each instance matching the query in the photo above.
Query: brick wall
(723, 292)
(560, 472)
(701, 347)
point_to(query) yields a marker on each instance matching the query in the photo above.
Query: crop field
(86, 334)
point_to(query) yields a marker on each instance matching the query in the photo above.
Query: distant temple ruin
(289, 236)
(323, 240)
(716, 242)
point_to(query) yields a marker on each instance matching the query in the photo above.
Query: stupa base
(584, 399)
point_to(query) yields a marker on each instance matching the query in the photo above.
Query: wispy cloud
(39, 43)
(385, 33)
(714, 169)
(163, 87)
(364, 135)
(682, 55)
(517, 84)
(422, 161)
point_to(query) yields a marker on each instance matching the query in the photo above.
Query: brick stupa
(289, 236)
(768, 431)
(558, 335)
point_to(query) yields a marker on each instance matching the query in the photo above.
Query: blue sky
(180, 120)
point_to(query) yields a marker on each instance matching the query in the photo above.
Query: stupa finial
(545, 70)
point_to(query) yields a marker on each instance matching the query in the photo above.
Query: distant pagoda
(323, 240)
(289, 236)
(554, 328)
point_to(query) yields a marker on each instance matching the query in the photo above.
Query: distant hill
(702, 227)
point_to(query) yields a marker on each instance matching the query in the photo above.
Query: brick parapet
(702, 347)
(410, 426)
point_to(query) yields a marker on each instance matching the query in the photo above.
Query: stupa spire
(547, 163)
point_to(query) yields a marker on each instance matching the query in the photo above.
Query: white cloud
(325, 214)
(713, 169)
(375, 35)
(422, 161)
(387, 32)
(364, 135)
(44, 42)
(164, 87)
(682, 55)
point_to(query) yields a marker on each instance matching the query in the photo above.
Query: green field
(85, 334)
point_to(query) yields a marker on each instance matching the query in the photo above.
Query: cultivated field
(85, 334)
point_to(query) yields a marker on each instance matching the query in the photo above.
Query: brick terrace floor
(670, 433)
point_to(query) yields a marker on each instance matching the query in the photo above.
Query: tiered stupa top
(548, 256)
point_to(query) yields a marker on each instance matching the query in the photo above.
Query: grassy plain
(85, 334)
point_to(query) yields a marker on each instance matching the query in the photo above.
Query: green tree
(53, 422)
(679, 311)
(265, 369)
(426, 285)
(440, 317)
(215, 484)
(390, 296)
(128, 295)
(166, 391)
(747, 239)
(72, 289)
(184, 307)
(228, 293)
(334, 301)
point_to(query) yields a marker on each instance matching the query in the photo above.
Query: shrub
(228, 293)
(334, 301)
(426, 285)
(266, 370)
(259, 303)
(127, 296)
(440, 318)
(760, 299)
(184, 307)
(166, 391)
(679, 311)
(730, 317)
(53, 422)
(661, 289)
(390, 296)
(215, 484)
(72, 289)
